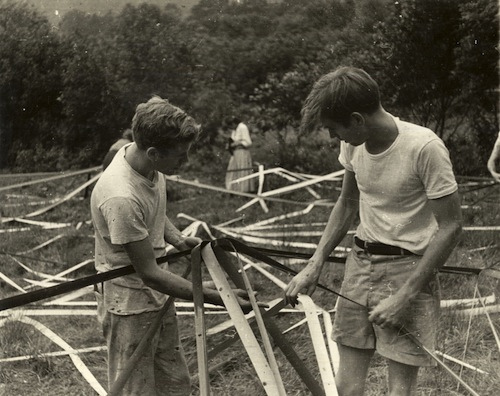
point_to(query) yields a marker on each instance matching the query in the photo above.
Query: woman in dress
(240, 163)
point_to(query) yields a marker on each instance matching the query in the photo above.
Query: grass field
(467, 338)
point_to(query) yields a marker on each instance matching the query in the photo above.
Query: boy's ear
(153, 154)
(357, 119)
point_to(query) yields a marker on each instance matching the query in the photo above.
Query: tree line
(67, 92)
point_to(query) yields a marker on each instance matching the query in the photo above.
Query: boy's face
(355, 133)
(169, 161)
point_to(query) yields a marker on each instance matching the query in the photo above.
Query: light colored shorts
(369, 279)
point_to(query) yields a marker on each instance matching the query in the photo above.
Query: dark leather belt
(381, 248)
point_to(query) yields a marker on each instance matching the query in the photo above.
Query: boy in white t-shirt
(129, 215)
(399, 177)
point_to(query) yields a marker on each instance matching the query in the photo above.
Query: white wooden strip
(493, 329)
(281, 217)
(37, 273)
(463, 364)
(332, 345)
(24, 204)
(467, 302)
(274, 242)
(263, 331)
(61, 274)
(478, 311)
(51, 354)
(46, 243)
(17, 229)
(279, 226)
(44, 224)
(300, 185)
(65, 198)
(68, 297)
(482, 228)
(283, 234)
(247, 337)
(260, 188)
(50, 312)
(296, 179)
(34, 282)
(71, 304)
(81, 367)
(60, 176)
(11, 282)
(226, 223)
(324, 364)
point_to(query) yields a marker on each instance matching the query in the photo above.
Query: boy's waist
(381, 248)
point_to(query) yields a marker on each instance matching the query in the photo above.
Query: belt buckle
(366, 247)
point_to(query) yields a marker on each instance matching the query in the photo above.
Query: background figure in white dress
(240, 163)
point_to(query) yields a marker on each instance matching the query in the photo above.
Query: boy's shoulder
(410, 129)
(414, 135)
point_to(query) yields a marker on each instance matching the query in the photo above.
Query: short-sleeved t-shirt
(396, 185)
(127, 207)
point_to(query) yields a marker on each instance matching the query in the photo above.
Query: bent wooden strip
(64, 175)
(247, 337)
(199, 317)
(9, 281)
(454, 360)
(46, 243)
(50, 354)
(243, 194)
(332, 345)
(80, 366)
(65, 198)
(324, 364)
(492, 326)
(263, 332)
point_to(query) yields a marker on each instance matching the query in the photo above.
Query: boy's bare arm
(142, 256)
(338, 224)
(449, 218)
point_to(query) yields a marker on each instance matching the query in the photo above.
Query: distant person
(399, 177)
(131, 225)
(493, 161)
(240, 163)
(127, 137)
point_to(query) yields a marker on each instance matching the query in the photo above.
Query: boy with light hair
(399, 177)
(129, 215)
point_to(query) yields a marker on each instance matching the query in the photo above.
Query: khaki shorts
(369, 279)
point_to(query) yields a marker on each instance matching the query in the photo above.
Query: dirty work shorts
(370, 278)
(162, 371)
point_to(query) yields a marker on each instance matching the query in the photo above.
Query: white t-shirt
(127, 207)
(395, 186)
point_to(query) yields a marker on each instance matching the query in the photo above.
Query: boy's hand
(306, 279)
(187, 243)
(389, 312)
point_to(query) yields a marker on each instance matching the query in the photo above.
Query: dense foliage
(67, 92)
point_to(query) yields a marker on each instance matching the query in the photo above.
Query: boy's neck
(139, 161)
(383, 132)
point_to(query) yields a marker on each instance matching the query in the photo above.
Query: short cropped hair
(158, 123)
(337, 95)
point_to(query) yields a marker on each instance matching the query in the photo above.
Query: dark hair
(128, 134)
(337, 95)
(158, 123)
